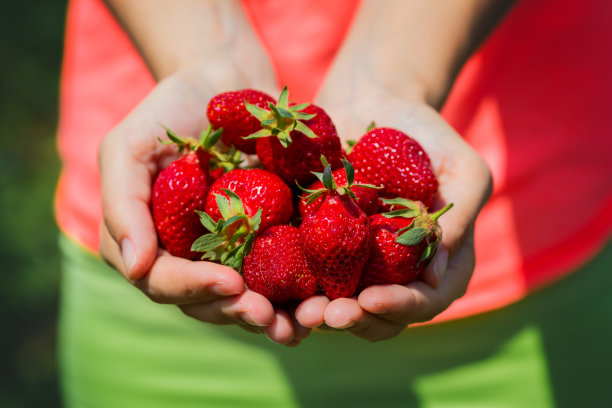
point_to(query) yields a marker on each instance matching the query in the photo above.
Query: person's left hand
(381, 312)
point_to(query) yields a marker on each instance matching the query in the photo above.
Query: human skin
(396, 68)
(197, 49)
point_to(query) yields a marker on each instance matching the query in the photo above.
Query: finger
(179, 281)
(347, 314)
(248, 307)
(176, 280)
(467, 184)
(415, 302)
(301, 332)
(310, 312)
(342, 313)
(126, 178)
(281, 330)
(418, 301)
(110, 251)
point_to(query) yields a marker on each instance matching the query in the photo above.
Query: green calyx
(231, 238)
(227, 160)
(208, 139)
(281, 119)
(424, 226)
(330, 185)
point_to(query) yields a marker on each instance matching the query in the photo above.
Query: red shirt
(533, 101)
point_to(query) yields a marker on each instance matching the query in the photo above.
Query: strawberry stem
(434, 217)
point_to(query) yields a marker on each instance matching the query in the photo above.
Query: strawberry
(179, 190)
(365, 198)
(258, 189)
(401, 243)
(293, 138)
(227, 110)
(393, 160)
(229, 238)
(277, 268)
(335, 237)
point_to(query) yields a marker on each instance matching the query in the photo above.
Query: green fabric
(119, 349)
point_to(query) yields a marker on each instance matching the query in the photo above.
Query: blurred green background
(31, 49)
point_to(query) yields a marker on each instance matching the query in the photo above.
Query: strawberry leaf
(259, 134)
(259, 113)
(283, 99)
(297, 108)
(427, 253)
(223, 205)
(233, 219)
(350, 172)
(207, 221)
(300, 127)
(255, 221)
(235, 202)
(208, 138)
(412, 237)
(303, 116)
(404, 212)
(328, 179)
(207, 243)
(404, 202)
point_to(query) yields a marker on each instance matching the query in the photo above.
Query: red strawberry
(277, 268)
(257, 189)
(365, 198)
(293, 139)
(179, 190)
(227, 110)
(401, 243)
(395, 161)
(335, 238)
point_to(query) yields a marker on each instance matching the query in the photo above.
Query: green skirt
(119, 349)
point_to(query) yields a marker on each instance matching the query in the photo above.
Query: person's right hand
(130, 156)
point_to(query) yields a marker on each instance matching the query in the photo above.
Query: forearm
(410, 49)
(209, 37)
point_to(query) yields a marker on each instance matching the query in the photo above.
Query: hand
(130, 157)
(381, 312)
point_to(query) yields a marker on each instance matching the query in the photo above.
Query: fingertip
(342, 313)
(374, 299)
(280, 331)
(139, 250)
(256, 309)
(310, 312)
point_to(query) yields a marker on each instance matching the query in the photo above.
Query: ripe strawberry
(293, 138)
(257, 189)
(227, 110)
(335, 237)
(393, 160)
(277, 268)
(401, 243)
(365, 198)
(179, 190)
(231, 237)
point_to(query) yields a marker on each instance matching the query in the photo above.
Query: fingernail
(223, 289)
(128, 254)
(248, 319)
(346, 325)
(440, 264)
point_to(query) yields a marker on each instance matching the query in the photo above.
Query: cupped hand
(383, 311)
(130, 157)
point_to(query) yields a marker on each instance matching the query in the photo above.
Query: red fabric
(532, 101)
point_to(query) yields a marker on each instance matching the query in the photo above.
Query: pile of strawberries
(311, 217)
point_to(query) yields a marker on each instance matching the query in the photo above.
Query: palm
(383, 311)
